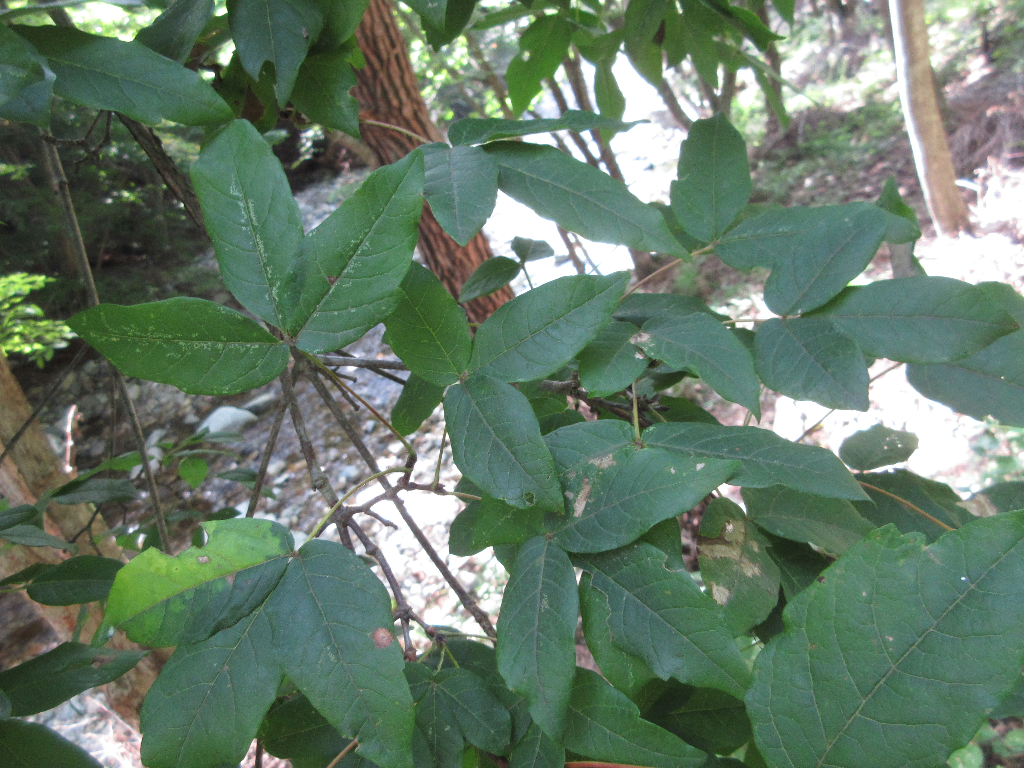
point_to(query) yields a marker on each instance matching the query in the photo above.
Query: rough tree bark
(924, 120)
(388, 92)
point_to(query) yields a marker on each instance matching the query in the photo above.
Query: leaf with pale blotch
(735, 565)
(876, 447)
(834, 525)
(196, 345)
(210, 697)
(539, 331)
(604, 725)
(660, 615)
(536, 632)
(161, 600)
(496, 442)
(765, 458)
(332, 625)
(885, 654)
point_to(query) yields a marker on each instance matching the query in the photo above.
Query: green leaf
(799, 565)
(834, 525)
(988, 383)
(735, 566)
(277, 32)
(340, 22)
(193, 470)
(294, 729)
(196, 345)
(55, 676)
(812, 252)
(638, 308)
(336, 645)
(32, 104)
(20, 65)
(939, 503)
(435, 719)
(484, 722)
(920, 319)
(95, 490)
(610, 363)
(604, 725)
(322, 88)
(876, 447)
(210, 697)
(33, 536)
(31, 745)
(607, 93)
(542, 47)
(539, 331)
(492, 274)
(579, 445)
(810, 359)
(106, 73)
(643, 19)
(766, 459)
(251, 217)
(461, 186)
(418, 400)
(457, 14)
(579, 198)
(23, 514)
(428, 330)
(714, 178)
(537, 750)
(531, 250)
(496, 442)
(613, 499)
(473, 130)
(491, 522)
(890, 200)
(174, 32)
(536, 632)
(889, 639)
(629, 674)
(706, 718)
(26, 575)
(660, 615)
(161, 600)
(354, 261)
(702, 344)
(81, 579)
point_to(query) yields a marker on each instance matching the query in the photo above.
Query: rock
(261, 403)
(227, 418)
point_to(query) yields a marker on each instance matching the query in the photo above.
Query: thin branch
(397, 128)
(653, 274)
(467, 600)
(341, 755)
(490, 77)
(563, 107)
(402, 607)
(261, 475)
(363, 362)
(907, 504)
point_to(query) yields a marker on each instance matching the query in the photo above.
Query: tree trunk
(924, 120)
(30, 469)
(388, 92)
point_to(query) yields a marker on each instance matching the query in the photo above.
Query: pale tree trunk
(30, 469)
(388, 92)
(924, 121)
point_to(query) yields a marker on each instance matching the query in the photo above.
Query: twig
(261, 475)
(907, 504)
(347, 496)
(363, 362)
(402, 606)
(397, 128)
(341, 755)
(356, 439)
(653, 274)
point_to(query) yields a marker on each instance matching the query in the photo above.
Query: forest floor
(987, 108)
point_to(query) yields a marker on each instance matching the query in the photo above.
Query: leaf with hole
(579, 198)
(876, 447)
(536, 632)
(196, 345)
(906, 674)
(660, 615)
(427, 330)
(834, 525)
(162, 601)
(210, 697)
(461, 187)
(765, 458)
(539, 331)
(125, 77)
(810, 359)
(336, 645)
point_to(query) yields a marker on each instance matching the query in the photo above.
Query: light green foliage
(24, 330)
(868, 646)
